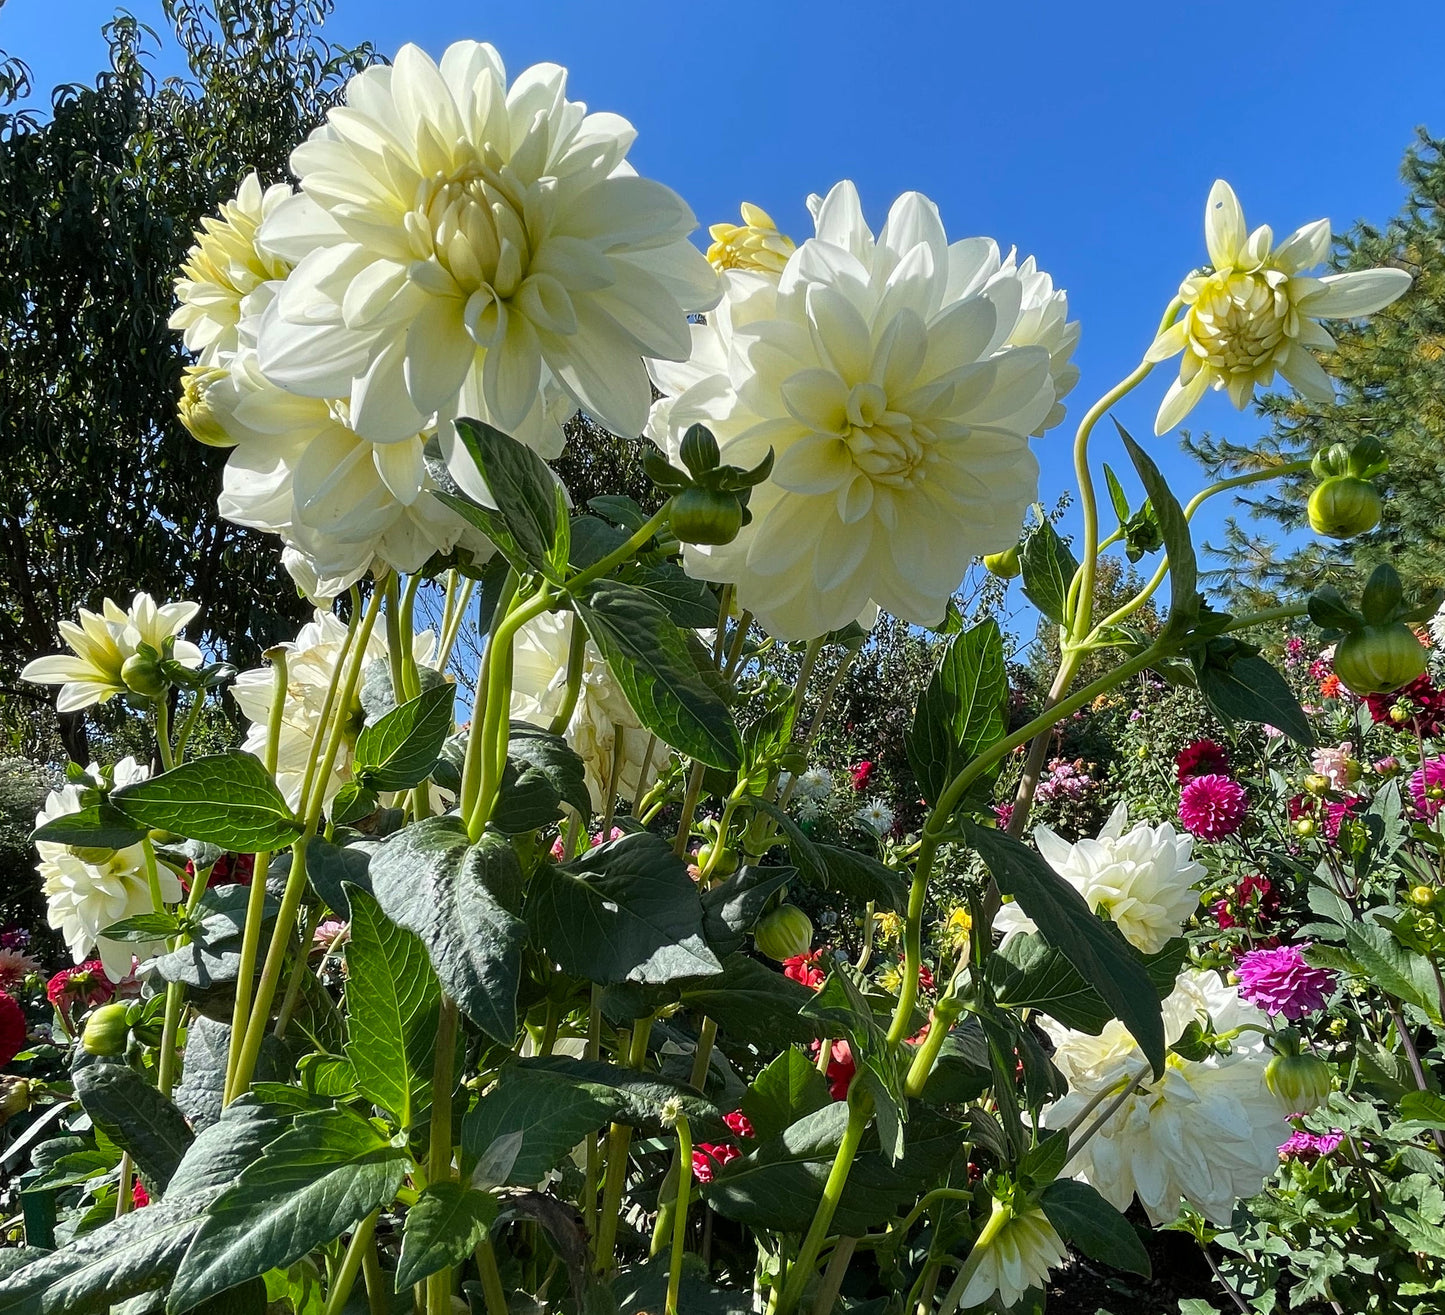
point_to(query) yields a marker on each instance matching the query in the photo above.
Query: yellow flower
(956, 929)
(755, 244)
(197, 407)
(890, 979)
(1253, 312)
(890, 926)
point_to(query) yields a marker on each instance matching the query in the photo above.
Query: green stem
(679, 1224)
(619, 1139)
(472, 763)
(439, 1145)
(166, 1074)
(395, 652)
(163, 731)
(493, 1293)
(682, 1164)
(860, 1110)
(188, 724)
(453, 626)
(123, 1200)
(623, 554)
(837, 1268)
(299, 969)
(689, 807)
(913, 939)
(378, 1298)
(328, 706)
(941, 1021)
(408, 637)
(351, 1263)
(576, 653)
(997, 1221)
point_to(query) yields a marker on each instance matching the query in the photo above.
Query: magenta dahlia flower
(1309, 1146)
(1201, 758)
(1212, 807)
(1279, 981)
(1427, 787)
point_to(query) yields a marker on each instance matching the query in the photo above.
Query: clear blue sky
(1086, 134)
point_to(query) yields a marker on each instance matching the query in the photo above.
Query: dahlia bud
(1399, 714)
(1422, 896)
(1301, 1081)
(784, 933)
(699, 515)
(1317, 784)
(196, 407)
(14, 1097)
(1004, 564)
(724, 864)
(1344, 506)
(1379, 659)
(106, 1030)
(1304, 826)
(143, 676)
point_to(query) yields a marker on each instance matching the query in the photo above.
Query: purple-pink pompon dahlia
(1427, 787)
(1279, 981)
(1212, 807)
(1310, 1146)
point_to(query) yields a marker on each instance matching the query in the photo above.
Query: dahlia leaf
(1178, 543)
(225, 799)
(1086, 1219)
(441, 1229)
(1048, 568)
(400, 750)
(550, 1116)
(136, 1117)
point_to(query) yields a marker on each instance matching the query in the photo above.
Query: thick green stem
(576, 653)
(166, 1072)
(378, 1296)
(623, 554)
(188, 725)
(682, 1164)
(439, 1145)
(679, 1225)
(163, 731)
(860, 1110)
(913, 940)
(351, 1263)
(493, 1293)
(299, 969)
(832, 1284)
(945, 1014)
(997, 1221)
(619, 1140)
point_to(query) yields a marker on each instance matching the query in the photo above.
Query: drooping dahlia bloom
(755, 244)
(1200, 758)
(1427, 787)
(897, 379)
(1212, 807)
(1142, 879)
(604, 731)
(1207, 1132)
(1016, 1258)
(451, 225)
(102, 642)
(311, 659)
(1253, 313)
(85, 984)
(1279, 981)
(223, 268)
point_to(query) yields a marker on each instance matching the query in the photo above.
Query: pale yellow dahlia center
(1238, 322)
(469, 222)
(884, 445)
(754, 245)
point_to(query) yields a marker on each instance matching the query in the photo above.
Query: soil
(1179, 1271)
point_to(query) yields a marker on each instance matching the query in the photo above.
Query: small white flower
(816, 784)
(877, 816)
(1207, 1132)
(1018, 1257)
(1437, 628)
(808, 810)
(1143, 879)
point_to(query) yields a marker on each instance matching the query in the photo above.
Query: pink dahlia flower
(1427, 787)
(1309, 1146)
(1279, 981)
(1212, 807)
(1200, 758)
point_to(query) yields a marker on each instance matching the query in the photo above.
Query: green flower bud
(1421, 896)
(1004, 564)
(723, 865)
(1300, 1081)
(701, 516)
(1304, 826)
(1330, 461)
(1344, 506)
(784, 933)
(143, 676)
(1316, 784)
(1379, 659)
(14, 1097)
(106, 1030)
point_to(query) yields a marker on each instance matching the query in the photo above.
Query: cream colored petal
(1361, 292)
(1224, 230)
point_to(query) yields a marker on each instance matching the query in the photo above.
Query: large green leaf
(100, 825)
(310, 1186)
(650, 660)
(400, 750)
(1248, 688)
(624, 911)
(788, 1089)
(550, 1115)
(392, 998)
(542, 773)
(459, 898)
(200, 1092)
(1086, 1219)
(734, 906)
(1178, 543)
(690, 603)
(442, 1229)
(962, 712)
(751, 1003)
(1048, 569)
(135, 1116)
(640, 1097)
(225, 799)
(1102, 956)
(1393, 968)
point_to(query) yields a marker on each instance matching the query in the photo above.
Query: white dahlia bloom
(1437, 628)
(1016, 1258)
(87, 890)
(102, 642)
(754, 244)
(1143, 879)
(603, 724)
(877, 816)
(816, 784)
(1253, 312)
(311, 660)
(881, 373)
(450, 225)
(223, 268)
(1207, 1132)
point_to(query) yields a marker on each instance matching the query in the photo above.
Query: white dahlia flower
(102, 642)
(754, 244)
(311, 659)
(816, 783)
(1207, 1132)
(223, 268)
(89, 889)
(881, 372)
(1253, 312)
(877, 816)
(1437, 628)
(1143, 879)
(450, 225)
(1014, 1259)
(603, 724)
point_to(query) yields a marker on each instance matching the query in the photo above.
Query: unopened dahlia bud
(106, 1030)
(197, 407)
(143, 676)
(784, 933)
(1004, 564)
(1379, 659)
(1301, 1081)
(1344, 506)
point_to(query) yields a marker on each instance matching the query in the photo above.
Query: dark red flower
(738, 1122)
(1421, 704)
(13, 1031)
(138, 1195)
(925, 978)
(840, 1071)
(1337, 810)
(1254, 900)
(86, 984)
(708, 1157)
(803, 968)
(862, 774)
(1201, 758)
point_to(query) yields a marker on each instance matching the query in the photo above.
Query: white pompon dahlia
(223, 268)
(311, 659)
(882, 373)
(1207, 1132)
(450, 225)
(603, 724)
(1143, 879)
(1016, 1258)
(102, 642)
(1253, 312)
(88, 890)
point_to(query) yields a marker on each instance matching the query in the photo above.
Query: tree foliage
(105, 493)
(1391, 374)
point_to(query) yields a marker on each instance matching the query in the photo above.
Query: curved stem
(913, 939)
(351, 1263)
(576, 653)
(188, 724)
(472, 764)
(493, 1293)
(163, 731)
(679, 1223)
(620, 555)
